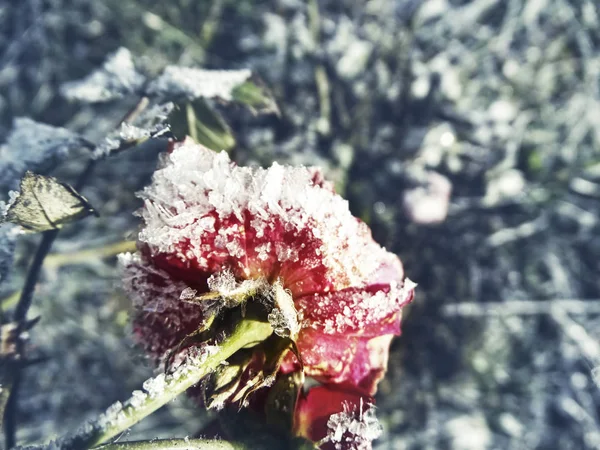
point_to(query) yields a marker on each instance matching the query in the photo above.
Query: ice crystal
(112, 416)
(117, 78)
(193, 83)
(354, 428)
(188, 294)
(233, 291)
(358, 308)
(155, 387)
(127, 134)
(283, 317)
(34, 146)
(137, 399)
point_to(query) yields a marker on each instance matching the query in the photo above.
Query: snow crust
(117, 78)
(34, 146)
(193, 83)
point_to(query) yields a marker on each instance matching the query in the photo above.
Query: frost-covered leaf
(117, 78)
(193, 83)
(46, 204)
(203, 124)
(34, 146)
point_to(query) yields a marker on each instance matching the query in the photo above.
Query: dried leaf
(281, 401)
(46, 204)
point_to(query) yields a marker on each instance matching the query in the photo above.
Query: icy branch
(160, 390)
(176, 444)
(522, 307)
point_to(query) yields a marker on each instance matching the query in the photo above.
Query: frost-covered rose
(218, 236)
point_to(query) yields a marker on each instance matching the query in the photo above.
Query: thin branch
(588, 346)
(175, 444)
(522, 308)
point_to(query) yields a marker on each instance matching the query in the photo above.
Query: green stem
(175, 444)
(118, 418)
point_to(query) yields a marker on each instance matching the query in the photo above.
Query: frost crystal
(188, 294)
(137, 399)
(193, 83)
(155, 387)
(283, 318)
(113, 416)
(117, 78)
(233, 291)
(354, 429)
(127, 134)
(34, 146)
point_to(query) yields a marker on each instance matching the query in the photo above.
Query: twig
(589, 347)
(175, 444)
(522, 308)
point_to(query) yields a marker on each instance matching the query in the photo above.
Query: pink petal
(355, 360)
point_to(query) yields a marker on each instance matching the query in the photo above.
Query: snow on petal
(278, 203)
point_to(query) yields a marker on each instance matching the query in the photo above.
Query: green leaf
(203, 124)
(255, 96)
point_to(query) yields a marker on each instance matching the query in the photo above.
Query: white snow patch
(192, 83)
(117, 78)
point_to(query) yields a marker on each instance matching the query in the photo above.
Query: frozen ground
(501, 97)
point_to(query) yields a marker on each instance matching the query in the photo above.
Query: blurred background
(466, 133)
